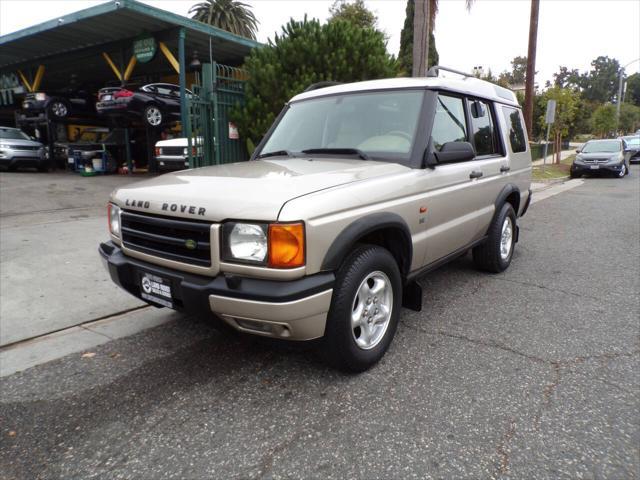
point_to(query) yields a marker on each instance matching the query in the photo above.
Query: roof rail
(318, 85)
(435, 70)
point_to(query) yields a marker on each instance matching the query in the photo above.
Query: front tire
(495, 254)
(623, 171)
(365, 309)
(58, 109)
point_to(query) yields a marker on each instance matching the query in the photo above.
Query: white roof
(466, 85)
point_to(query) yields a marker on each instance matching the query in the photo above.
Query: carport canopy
(74, 45)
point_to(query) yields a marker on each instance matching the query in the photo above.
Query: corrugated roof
(113, 25)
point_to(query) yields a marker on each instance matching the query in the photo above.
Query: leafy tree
(566, 78)
(405, 56)
(354, 12)
(230, 15)
(633, 89)
(517, 74)
(304, 53)
(601, 83)
(566, 109)
(629, 118)
(604, 120)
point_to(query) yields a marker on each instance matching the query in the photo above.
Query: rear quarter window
(515, 129)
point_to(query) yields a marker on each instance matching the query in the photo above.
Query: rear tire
(495, 254)
(153, 116)
(365, 309)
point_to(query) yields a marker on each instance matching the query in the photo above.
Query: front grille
(25, 148)
(177, 151)
(596, 160)
(167, 238)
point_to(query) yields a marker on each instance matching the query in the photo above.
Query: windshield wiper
(276, 153)
(339, 151)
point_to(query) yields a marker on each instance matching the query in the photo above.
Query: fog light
(252, 325)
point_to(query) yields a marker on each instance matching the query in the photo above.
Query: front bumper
(11, 157)
(292, 310)
(172, 162)
(580, 169)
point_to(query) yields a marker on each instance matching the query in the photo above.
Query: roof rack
(318, 85)
(435, 70)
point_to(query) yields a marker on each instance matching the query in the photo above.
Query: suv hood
(254, 190)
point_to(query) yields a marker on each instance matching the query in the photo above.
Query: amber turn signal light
(286, 245)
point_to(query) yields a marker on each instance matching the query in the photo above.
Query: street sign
(551, 112)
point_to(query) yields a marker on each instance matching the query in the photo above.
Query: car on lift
(156, 104)
(17, 149)
(58, 105)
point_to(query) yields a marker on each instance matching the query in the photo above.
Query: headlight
(4, 145)
(113, 214)
(277, 245)
(245, 242)
(41, 97)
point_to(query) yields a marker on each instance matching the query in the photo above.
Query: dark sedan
(155, 104)
(58, 105)
(601, 156)
(632, 147)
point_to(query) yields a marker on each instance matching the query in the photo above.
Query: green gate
(213, 138)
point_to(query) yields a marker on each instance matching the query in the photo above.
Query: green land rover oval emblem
(190, 244)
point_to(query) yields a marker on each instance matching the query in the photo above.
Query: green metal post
(216, 119)
(183, 77)
(127, 150)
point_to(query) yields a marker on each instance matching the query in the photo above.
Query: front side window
(517, 138)
(482, 129)
(379, 124)
(449, 123)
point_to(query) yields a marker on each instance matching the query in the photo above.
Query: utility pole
(531, 66)
(619, 99)
(421, 29)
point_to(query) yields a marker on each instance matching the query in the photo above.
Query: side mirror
(477, 109)
(455, 152)
(578, 150)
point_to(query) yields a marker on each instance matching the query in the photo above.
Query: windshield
(12, 134)
(632, 141)
(604, 146)
(380, 124)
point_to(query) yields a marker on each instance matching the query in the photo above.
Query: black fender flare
(347, 239)
(507, 190)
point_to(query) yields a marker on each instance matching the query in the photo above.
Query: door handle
(475, 174)
(505, 168)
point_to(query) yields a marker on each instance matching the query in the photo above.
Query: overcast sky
(571, 32)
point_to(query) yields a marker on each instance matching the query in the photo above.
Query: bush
(305, 53)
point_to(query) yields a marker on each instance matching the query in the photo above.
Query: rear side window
(515, 131)
(449, 122)
(482, 128)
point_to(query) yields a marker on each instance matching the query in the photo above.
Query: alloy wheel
(371, 310)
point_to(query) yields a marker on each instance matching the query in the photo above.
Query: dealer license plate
(595, 167)
(156, 289)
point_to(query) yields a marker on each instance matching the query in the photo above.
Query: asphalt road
(533, 373)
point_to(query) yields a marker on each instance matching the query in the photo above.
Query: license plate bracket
(156, 289)
(595, 167)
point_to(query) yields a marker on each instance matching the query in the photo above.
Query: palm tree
(230, 15)
(424, 20)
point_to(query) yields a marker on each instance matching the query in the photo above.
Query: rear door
(492, 160)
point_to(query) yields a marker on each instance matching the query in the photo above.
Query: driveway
(51, 276)
(532, 373)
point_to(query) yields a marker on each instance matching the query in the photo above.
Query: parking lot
(530, 373)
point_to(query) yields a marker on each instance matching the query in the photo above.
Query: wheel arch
(385, 229)
(510, 193)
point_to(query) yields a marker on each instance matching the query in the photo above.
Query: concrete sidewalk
(51, 276)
